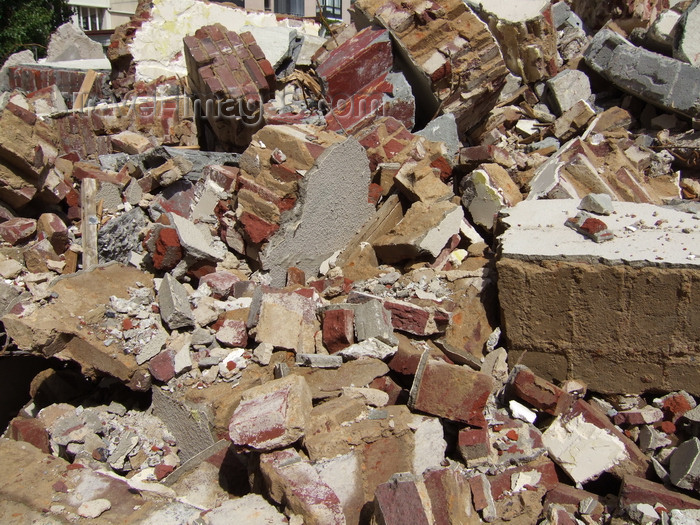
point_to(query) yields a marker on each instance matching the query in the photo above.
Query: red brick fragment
(541, 394)
(51, 227)
(162, 366)
(32, 431)
(338, 329)
(639, 490)
(451, 391)
(220, 283)
(17, 230)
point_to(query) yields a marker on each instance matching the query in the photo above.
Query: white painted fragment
(368, 348)
(520, 480)
(429, 443)
(93, 509)
(520, 411)
(581, 449)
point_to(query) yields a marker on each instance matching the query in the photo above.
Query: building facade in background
(331, 9)
(102, 15)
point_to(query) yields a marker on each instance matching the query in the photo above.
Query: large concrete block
(616, 313)
(638, 71)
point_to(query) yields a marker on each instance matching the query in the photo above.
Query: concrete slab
(645, 235)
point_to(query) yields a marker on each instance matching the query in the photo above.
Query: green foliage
(27, 24)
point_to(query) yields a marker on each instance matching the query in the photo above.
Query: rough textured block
(526, 35)
(403, 499)
(272, 415)
(568, 88)
(685, 45)
(636, 71)
(220, 283)
(15, 231)
(485, 191)
(232, 333)
(331, 209)
(424, 229)
(338, 329)
(173, 301)
(613, 312)
(287, 320)
(389, 95)
(541, 394)
(639, 490)
(229, 73)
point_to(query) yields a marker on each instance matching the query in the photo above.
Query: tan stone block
(272, 415)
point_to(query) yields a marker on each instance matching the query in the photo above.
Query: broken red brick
(51, 227)
(232, 333)
(162, 366)
(501, 484)
(30, 430)
(17, 230)
(338, 329)
(451, 391)
(389, 386)
(220, 283)
(272, 415)
(474, 445)
(639, 490)
(541, 394)
(295, 276)
(356, 62)
(399, 501)
(163, 244)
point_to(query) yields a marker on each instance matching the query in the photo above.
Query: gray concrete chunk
(662, 81)
(373, 320)
(686, 44)
(197, 242)
(684, 467)
(174, 304)
(567, 88)
(69, 42)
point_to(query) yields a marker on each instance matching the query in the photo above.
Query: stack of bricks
(30, 78)
(119, 53)
(388, 141)
(454, 53)
(268, 184)
(86, 133)
(233, 79)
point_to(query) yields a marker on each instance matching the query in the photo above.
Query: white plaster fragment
(581, 449)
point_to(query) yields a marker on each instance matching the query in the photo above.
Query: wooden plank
(89, 221)
(85, 88)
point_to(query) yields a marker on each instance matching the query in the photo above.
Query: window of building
(331, 9)
(290, 7)
(90, 18)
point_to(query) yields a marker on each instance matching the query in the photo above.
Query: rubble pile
(436, 266)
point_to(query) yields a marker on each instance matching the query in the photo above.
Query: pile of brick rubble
(438, 266)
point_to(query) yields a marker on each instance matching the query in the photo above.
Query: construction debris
(438, 265)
